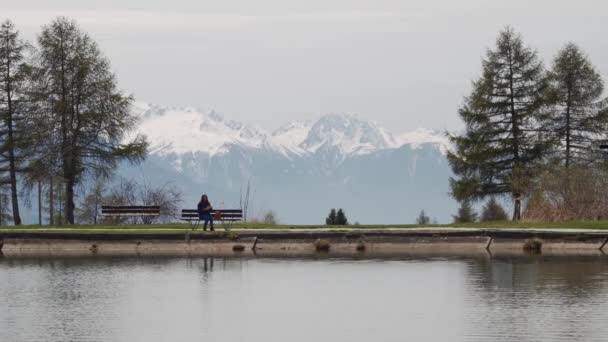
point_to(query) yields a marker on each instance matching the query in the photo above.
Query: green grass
(184, 228)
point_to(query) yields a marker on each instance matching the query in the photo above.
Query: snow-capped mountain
(190, 130)
(300, 170)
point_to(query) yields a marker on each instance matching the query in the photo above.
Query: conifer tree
(579, 115)
(493, 211)
(502, 144)
(466, 214)
(83, 117)
(13, 104)
(341, 218)
(331, 218)
(423, 218)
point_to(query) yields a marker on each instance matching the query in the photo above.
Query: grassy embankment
(184, 228)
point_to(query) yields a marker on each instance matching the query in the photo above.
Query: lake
(528, 298)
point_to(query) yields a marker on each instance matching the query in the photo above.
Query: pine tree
(13, 104)
(579, 117)
(341, 218)
(503, 143)
(423, 218)
(331, 218)
(466, 214)
(84, 116)
(493, 211)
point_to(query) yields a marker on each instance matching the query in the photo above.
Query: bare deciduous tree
(132, 193)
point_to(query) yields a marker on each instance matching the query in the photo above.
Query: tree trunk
(14, 196)
(69, 200)
(568, 132)
(51, 203)
(39, 204)
(517, 207)
(11, 142)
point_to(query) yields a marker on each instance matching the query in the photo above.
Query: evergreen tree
(493, 211)
(423, 218)
(502, 144)
(331, 218)
(579, 117)
(466, 214)
(13, 101)
(341, 218)
(83, 117)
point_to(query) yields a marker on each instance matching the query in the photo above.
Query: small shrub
(361, 246)
(533, 246)
(93, 249)
(466, 214)
(493, 211)
(270, 218)
(322, 245)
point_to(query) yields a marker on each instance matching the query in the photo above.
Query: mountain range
(301, 170)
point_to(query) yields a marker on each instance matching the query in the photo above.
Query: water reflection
(229, 299)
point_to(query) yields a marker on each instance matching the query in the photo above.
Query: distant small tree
(5, 211)
(341, 218)
(270, 218)
(493, 211)
(89, 211)
(465, 214)
(423, 218)
(331, 218)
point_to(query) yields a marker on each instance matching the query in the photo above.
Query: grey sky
(403, 63)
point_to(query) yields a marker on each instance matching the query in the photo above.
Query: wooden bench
(225, 216)
(129, 211)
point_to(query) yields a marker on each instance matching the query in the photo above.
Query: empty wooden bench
(221, 215)
(129, 211)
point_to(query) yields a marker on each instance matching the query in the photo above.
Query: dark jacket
(204, 210)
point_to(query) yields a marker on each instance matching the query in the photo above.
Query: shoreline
(359, 242)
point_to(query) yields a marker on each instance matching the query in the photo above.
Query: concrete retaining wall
(285, 245)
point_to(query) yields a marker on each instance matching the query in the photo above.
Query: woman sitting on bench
(204, 212)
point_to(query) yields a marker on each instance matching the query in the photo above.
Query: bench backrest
(226, 214)
(137, 210)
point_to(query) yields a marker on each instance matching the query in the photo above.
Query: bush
(270, 218)
(322, 245)
(465, 214)
(533, 246)
(493, 211)
(570, 194)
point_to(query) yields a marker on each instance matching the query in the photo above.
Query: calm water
(522, 299)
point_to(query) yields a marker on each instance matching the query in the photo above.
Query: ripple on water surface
(447, 299)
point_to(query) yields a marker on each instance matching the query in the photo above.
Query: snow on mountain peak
(189, 130)
(348, 133)
(422, 136)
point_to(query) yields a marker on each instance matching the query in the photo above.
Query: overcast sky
(403, 63)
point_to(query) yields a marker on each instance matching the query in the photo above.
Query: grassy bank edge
(183, 228)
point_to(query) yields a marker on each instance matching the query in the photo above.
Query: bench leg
(194, 224)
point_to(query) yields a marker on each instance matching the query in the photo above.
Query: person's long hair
(204, 201)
